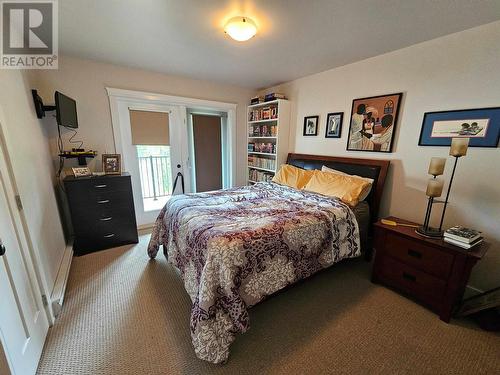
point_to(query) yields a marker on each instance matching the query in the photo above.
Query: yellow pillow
(347, 188)
(292, 176)
(365, 192)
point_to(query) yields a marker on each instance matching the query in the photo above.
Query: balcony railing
(156, 176)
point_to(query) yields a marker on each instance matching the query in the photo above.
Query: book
(462, 234)
(273, 96)
(464, 245)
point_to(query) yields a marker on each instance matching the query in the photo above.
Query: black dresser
(102, 212)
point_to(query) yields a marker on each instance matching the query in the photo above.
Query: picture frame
(333, 127)
(480, 125)
(81, 171)
(111, 163)
(373, 123)
(311, 126)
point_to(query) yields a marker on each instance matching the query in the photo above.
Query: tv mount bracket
(40, 108)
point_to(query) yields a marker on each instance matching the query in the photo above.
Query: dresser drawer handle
(103, 201)
(415, 254)
(106, 218)
(409, 277)
(101, 186)
(109, 235)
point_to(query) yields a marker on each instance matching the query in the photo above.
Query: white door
(153, 173)
(23, 322)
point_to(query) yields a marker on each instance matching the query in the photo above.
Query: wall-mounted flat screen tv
(66, 111)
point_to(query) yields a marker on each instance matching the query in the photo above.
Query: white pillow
(365, 193)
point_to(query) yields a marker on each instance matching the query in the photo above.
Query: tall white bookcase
(268, 126)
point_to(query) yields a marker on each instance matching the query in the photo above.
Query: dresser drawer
(425, 258)
(86, 223)
(422, 286)
(100, 184)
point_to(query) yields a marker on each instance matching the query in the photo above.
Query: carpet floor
(124, 314)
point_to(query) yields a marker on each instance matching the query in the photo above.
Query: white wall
(29, 152)
(85, 81)
(458, 71)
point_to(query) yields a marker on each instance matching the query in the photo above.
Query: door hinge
(44, 300)
(19, 203)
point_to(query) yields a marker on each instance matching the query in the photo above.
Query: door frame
(121, 100)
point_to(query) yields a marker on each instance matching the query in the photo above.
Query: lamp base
(429, 232)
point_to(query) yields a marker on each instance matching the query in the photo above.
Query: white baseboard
(57, 297)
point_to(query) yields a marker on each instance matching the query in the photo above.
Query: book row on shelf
(268, 148)
(262, 131)
(255, 161)
(268, 97)
(264, 113)
(259, 176)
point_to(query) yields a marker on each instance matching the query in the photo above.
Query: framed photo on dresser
(111, 163)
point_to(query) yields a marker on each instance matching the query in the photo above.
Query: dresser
(102, 212)
(430, 271)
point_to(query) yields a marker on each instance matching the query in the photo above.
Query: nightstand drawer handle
(409, 277)
(101, 186)
(103, 201)
(106, 218)
(109, 235)
(414, 253)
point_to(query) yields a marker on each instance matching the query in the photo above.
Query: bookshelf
(268, 127)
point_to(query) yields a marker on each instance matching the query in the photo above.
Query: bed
(237, 246)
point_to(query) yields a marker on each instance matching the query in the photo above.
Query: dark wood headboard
(372, 168)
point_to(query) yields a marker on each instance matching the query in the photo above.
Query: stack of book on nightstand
(463, 237)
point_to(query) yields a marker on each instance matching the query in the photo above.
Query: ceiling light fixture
(240, 28)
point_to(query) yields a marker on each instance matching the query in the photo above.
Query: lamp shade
(149, 128)
(459, 146)
(436, 166)
(240, 28)
(434, 188)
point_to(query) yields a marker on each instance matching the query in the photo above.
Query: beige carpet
(124, 314)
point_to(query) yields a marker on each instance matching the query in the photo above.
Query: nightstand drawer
(425, 258)
(422, 286)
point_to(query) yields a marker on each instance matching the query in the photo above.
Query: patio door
(152, 142)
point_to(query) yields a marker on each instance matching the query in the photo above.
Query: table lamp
(435, 186)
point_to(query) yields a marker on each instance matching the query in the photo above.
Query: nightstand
(430, 271)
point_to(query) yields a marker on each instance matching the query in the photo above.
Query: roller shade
(149, 128)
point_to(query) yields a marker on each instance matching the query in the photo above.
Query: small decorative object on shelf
(267, 129)
(81, 171)
(435, 187)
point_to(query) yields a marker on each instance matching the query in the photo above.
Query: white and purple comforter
(235, 247)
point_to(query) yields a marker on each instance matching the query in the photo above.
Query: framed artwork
(111, 164)
(334, 124)
(372, 123)
(481, 126)
(311, 125)
(81, 171)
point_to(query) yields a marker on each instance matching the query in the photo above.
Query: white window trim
(137, 98)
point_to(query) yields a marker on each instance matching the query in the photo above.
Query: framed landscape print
(334, 124)
(311, 125)
(481, 126)
(372, 123)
